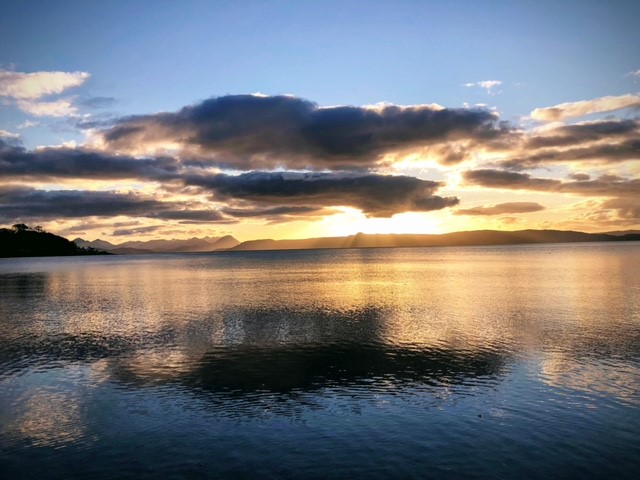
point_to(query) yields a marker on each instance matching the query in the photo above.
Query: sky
(281, 119)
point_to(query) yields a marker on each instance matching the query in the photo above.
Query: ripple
(474, 363)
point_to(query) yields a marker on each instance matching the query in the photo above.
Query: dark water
(500, 362)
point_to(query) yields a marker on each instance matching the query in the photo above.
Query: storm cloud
(251, 132)
(375, 195)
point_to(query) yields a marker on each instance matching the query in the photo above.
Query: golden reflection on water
(515, 302)
(46, 419)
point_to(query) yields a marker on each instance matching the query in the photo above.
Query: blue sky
(149, 57)
(153, 56)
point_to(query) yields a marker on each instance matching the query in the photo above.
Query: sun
(353, 221)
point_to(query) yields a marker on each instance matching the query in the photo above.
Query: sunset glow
(119, 146)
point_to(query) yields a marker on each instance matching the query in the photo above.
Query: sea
(503, 362)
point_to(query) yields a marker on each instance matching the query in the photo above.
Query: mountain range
(360, 240)
(478, 237)
(206, 244)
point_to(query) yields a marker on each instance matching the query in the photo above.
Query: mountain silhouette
(206, 244)
(479, 237)
(22, 241)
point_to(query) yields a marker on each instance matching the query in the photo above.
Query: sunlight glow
(352, 221)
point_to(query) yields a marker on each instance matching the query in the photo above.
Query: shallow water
(501, 362)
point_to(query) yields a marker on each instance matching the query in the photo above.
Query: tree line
(23, 241)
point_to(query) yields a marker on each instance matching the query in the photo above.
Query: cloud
(601, 142)
(28, 89)
(579, 177)
(190, 215)
(32, 86)
(604, 152)
(633, 74)
(502, 208)
(97, 102)
(9, 135)
(375, 195)
(63, 107)
(262, 194)
(488, 85)
(27, 204)
(274, 211)
(628, 209)
(250, 132)
(505, 179)
(572, 135)
(281, 214)
(568, 110)
(136, 230)
(78, 163)
(603, 186)
(332, 157)
(28, 124)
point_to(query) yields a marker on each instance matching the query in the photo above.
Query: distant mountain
(99, 244)
(22, 241)
(622, 232)
(206, 244)
(479, 237)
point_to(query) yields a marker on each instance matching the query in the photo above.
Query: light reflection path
(351, 363)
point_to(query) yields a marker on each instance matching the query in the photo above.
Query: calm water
(500, 362)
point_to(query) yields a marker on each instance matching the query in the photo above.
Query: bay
(501, 362)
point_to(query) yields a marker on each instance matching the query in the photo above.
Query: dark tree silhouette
(22, 241)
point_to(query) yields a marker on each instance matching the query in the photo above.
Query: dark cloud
(294, 194)
(283, 214)
(253, 132)
(24, 204)
(627, 209)
(82, 228)
(507, 179)
(195, 215)
(502, 208)
(579, 177)
(570, 135)
(605, 185)
(609, 152)
(605, 141)
(375, 195)
(16, 161)
(272, 212)
(136, 230)
(250, 133)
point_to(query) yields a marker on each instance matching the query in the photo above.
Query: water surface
(500, 362)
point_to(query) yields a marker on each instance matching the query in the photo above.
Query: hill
(479, 237)
(206, 244)
(22, 241)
